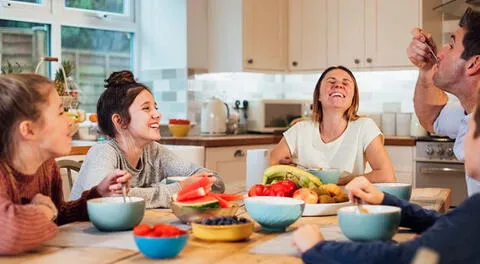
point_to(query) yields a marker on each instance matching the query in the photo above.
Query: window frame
(54, 13)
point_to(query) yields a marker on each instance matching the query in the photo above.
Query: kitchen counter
(81, 147)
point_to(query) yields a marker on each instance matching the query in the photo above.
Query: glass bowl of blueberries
(223, 228)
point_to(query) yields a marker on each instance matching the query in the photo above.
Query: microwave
(268, 116)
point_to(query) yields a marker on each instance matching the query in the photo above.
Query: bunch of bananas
(285, 172)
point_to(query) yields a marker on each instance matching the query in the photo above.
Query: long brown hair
(22, 97)
(351, 113)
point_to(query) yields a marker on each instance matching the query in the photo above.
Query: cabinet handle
(356, 61)
(250, 61)
(239, 153)
(294, 64)
(369, 60)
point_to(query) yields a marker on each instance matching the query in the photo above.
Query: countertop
(81, 147)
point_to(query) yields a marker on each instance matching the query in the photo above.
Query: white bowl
(323, 209)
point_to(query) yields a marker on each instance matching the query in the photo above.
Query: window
(97, 36)
(22, 44)
(95, 54)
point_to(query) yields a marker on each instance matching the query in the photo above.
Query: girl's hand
(361, 188)
(197, 177)
(307, 236)
(46, 204)
(112, 184)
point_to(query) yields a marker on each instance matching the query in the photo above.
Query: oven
(437, 166)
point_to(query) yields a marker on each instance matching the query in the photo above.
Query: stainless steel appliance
(437, 166)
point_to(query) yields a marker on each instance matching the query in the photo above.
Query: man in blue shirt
(454, 236)
(457, 71)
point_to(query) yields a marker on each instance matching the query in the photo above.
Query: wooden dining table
(199, 251)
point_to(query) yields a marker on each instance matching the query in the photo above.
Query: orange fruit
(93, 117)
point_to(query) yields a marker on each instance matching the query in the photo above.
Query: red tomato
(289, 185)
(257, 190)
(165, 230)
(142, 230)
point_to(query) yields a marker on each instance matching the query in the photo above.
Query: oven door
(442, 175)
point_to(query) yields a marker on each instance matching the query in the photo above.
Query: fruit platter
(288, 181)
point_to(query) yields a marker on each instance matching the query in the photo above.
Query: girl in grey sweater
(127, 113)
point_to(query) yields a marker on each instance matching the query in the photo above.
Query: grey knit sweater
(156, 164)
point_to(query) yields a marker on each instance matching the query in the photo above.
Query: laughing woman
(336, 137)
(127, 112)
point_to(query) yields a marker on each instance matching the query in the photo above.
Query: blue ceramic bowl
(112, 214)
(274, 214)
(380, 223)
(161, 247)
(400, 190)
(328, 175)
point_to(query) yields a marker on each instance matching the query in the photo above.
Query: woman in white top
(336, 137)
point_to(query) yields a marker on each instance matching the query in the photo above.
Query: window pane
(113, 6)
(22, 44)
(95, 54)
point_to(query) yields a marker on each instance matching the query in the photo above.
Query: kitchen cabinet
(307, 35)
(230, 163)
(376, 33)
(403, 159)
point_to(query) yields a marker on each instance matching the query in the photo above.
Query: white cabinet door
(230, 163)
(403, 162)
(346, 32)
(265, 34)
(307, 35)
(387, 28)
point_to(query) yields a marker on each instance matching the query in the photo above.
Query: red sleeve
(24, 227)
(70, 211)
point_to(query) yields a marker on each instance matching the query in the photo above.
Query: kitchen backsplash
(179, 97)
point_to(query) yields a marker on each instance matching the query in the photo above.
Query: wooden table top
(198, 251)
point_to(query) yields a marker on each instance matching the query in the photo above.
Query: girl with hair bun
(127, 112)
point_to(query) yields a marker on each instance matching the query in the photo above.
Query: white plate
(323, 209)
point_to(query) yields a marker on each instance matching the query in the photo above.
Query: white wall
(162, 34)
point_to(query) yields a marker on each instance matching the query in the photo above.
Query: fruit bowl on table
(188, 213)
(223, 228)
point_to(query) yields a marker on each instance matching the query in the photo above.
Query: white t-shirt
(346, 152)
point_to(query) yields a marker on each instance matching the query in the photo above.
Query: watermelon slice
(207, 201)
(223, 203)
(229, 197)
(191, 195)
(202, 183)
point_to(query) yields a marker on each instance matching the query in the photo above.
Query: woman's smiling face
(337, 90)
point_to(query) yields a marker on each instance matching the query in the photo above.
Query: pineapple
(59, 80)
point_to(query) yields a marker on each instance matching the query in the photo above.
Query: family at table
(34, 130)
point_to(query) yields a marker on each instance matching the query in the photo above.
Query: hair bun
(119, 78)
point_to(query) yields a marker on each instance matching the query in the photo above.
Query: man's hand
(418, 51)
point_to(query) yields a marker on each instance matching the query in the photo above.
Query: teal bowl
(112, 214)
(380, 223)
(274, 214)
(330, 175)
(175, 179)
(400, 190)
(161, 247)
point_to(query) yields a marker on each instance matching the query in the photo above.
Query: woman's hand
(45, 204)
(112, 184)
(361, 188)
(307, 236)
(197, 177)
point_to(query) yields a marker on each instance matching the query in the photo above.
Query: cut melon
(223, 203)
(202, 183)
(192, 195)
(204, 202)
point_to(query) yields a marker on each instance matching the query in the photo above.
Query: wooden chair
(69, 165)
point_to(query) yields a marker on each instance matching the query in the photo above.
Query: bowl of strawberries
(179, 127)
(160, 241)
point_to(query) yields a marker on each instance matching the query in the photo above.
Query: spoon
(124, 192)
(359, 203)
(300, 165)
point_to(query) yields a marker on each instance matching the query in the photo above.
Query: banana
(281, 172)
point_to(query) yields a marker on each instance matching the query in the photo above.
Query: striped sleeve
(24, 227)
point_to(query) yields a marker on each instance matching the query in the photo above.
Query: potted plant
(10, 68)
